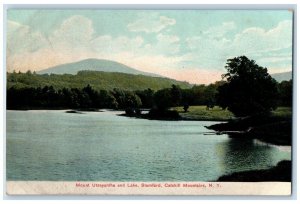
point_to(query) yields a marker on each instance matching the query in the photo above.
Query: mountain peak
(93, 64)
(282, 76)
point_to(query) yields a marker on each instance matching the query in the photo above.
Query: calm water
(101, 146)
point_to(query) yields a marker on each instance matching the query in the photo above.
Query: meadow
(218, 114)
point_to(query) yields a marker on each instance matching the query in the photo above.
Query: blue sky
(190, 45)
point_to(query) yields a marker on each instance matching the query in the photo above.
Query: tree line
(88, 97)
(97, 79)
(48, 97)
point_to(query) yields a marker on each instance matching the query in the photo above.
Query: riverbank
(281, 172)
(201, 113)
(274, 129)
(168, 115)
(194, 113)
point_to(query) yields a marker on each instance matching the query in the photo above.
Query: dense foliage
(249, 89)
(98, 80)
(88, 97)
(285, 89)
(32, 91)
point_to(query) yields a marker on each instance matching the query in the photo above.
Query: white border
(148, 188)
(62, 3)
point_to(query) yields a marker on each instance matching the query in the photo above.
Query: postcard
(149, 102)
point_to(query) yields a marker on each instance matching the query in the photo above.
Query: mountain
(97, 79)
(93, 65)
(283, 76)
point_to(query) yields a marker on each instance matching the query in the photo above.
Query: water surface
(101, 146)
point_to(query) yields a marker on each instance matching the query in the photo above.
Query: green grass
(200, 113)
(283, 112)
(217, 114)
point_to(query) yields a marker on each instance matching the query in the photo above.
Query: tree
(249, 89)
(106, 100)
(132, 100)
(197, 95)
(146, 97)
(286, 93)
(120, 97)
(210, 95)
(28, 72)
(92, 96)
(163, 99)
(186, 107)
(176, 95)
(132, 103)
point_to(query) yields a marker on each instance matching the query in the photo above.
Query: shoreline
(141, 116)
(281, 172)
(273, 130)
(170, 119)
(269, 129)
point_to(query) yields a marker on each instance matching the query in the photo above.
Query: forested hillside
(98, 80)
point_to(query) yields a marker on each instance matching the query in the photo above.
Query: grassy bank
(201, 113)
(284, 112)
(217, 114)
(195, 113)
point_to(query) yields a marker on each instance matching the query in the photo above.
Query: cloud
(212, 43)
(254, 42)
(151, 23)
(75, 39)
(260, 40)
(275, 59)
(28, 49)
(76, 31)
(108, 44)
(164, 45)
(21, 38)
(169, 39)
(221, 30)
(273, 42)
(197, 59)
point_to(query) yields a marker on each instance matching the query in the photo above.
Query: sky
(187, 45)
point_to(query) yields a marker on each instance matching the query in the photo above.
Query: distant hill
(93, 65)
(283, 76)
(97, 79)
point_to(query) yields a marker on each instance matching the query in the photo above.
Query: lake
(51, 145)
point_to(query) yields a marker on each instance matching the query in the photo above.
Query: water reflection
(244, 154)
